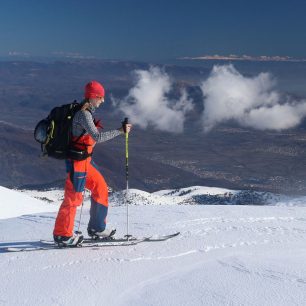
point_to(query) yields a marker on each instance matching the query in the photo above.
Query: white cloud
(147, 103)
(252, 102)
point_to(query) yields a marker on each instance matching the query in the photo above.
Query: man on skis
(84, 173)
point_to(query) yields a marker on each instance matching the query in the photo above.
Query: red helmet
(94, 90)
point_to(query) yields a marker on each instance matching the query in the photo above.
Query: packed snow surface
(225, 254)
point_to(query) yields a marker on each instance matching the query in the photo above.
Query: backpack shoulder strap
(84, 131)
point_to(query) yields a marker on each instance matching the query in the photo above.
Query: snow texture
(225, 255)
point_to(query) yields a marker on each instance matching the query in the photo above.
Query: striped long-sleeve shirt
(83, 120)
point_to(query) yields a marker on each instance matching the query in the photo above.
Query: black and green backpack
(54, 133)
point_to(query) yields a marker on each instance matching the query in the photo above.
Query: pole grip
(124, 123)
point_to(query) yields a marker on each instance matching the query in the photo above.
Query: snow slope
(225, 255)
(14, 204)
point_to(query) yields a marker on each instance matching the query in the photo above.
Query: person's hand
(127, 128)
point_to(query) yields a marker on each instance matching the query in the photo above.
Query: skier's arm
(85, 120)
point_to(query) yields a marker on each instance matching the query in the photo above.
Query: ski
(87, 243)
(54, 246)
(154, 238)
(112, 239)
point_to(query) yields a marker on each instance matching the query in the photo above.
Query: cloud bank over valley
(253, 102)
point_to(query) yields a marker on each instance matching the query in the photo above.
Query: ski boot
(69, 242)
(106, 234)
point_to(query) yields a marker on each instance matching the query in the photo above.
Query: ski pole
(124, 123)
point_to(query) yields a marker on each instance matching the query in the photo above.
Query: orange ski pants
(82, 174)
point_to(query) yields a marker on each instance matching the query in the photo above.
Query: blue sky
(153, 30)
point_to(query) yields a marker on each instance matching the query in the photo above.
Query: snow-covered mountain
(225, 254)
(194, 195)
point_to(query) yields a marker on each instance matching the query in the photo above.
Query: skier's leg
(99, 199)
(74, 187)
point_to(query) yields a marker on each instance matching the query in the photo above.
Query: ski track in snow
(225, 255)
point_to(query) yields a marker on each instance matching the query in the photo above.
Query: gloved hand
(126, 126)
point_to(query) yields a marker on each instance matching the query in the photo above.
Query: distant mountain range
(233, 57)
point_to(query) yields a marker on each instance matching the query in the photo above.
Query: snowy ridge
(194, 195)
(199, 195)
(220, 196)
